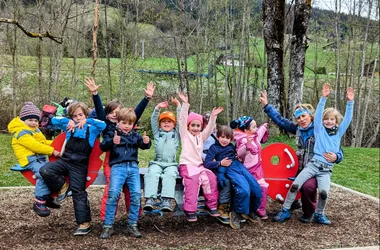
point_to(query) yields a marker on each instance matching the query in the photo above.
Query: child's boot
(52, 203)
(40, 208)
(83, 229)
(107, 232)
(223, 210)
(252, 217)
(134, 230)
(261, 211)
(283, 215)
(63, 193)
(149, 203)
(321, 219)
(190, 217)
(235, 220)
(166, 205)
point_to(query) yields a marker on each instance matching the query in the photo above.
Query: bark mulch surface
(355, 223)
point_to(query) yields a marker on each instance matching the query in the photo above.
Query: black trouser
(53, 173)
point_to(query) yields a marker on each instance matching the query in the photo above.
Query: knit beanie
(241, 122)
(29, 111)
(167, 114)
(194, 116)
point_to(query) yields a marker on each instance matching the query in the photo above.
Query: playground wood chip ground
(355, 224)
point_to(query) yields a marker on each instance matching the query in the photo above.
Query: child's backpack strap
(23, 132)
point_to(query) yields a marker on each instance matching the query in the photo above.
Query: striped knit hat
(29, 111)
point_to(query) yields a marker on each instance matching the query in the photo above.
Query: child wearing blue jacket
(166, 142)
(221, 158)
(329, 130)
(123, 144)
(80, 138)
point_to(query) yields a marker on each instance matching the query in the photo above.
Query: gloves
(222, 180)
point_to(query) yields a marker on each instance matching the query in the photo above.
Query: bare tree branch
(31, 34)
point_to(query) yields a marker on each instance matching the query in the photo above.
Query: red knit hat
(167, 114)
(29, 111)
(194, 116)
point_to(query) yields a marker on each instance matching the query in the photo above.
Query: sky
(346, 5)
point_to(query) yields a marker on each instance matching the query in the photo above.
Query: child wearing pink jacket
(247, 138)
(191, 168)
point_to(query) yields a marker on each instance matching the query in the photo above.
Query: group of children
(223, 169)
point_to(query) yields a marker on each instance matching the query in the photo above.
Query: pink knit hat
(194, 116)
(29, 111)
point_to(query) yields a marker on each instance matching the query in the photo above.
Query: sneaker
(190, 217)
(234, 220)
(52, 203)
(133, 229)
(262, 215)
(83, 229)
(283, 215)
(40, 208)
(296, 205)
(149, 204)
(107, 232)
(306, 219)
(321, 219)
(63, 193)
(213, 212)
(166, 205)
(252, 217)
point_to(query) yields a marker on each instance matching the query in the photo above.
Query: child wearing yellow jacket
(31, 149)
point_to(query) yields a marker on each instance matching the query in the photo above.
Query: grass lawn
(359, 169)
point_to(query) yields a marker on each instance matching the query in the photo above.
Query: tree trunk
(360, 79)
(337, 54)
(106, 48)
(299, 45)
(94, 38)
(274, 21)
(367, 99)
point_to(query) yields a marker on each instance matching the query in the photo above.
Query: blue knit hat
(241, 122)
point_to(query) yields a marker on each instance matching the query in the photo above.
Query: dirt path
(355, 223)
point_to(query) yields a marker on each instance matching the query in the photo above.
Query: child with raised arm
(123, 144)
(221, 158)
(166, 142)
(108, 115)
(247, 138)
(31, 149)
(81, 133)
(329, 129)
(191, 169)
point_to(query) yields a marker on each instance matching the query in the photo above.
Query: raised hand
(145, 138)
(116, 138)
(263, 98)
(326, 90)
(90, 83)
(81, 124)
(350, 94)
(175, 101)
(71, 126)
(216, 111)
(183, 97)
(149, 90)
(161, 105)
